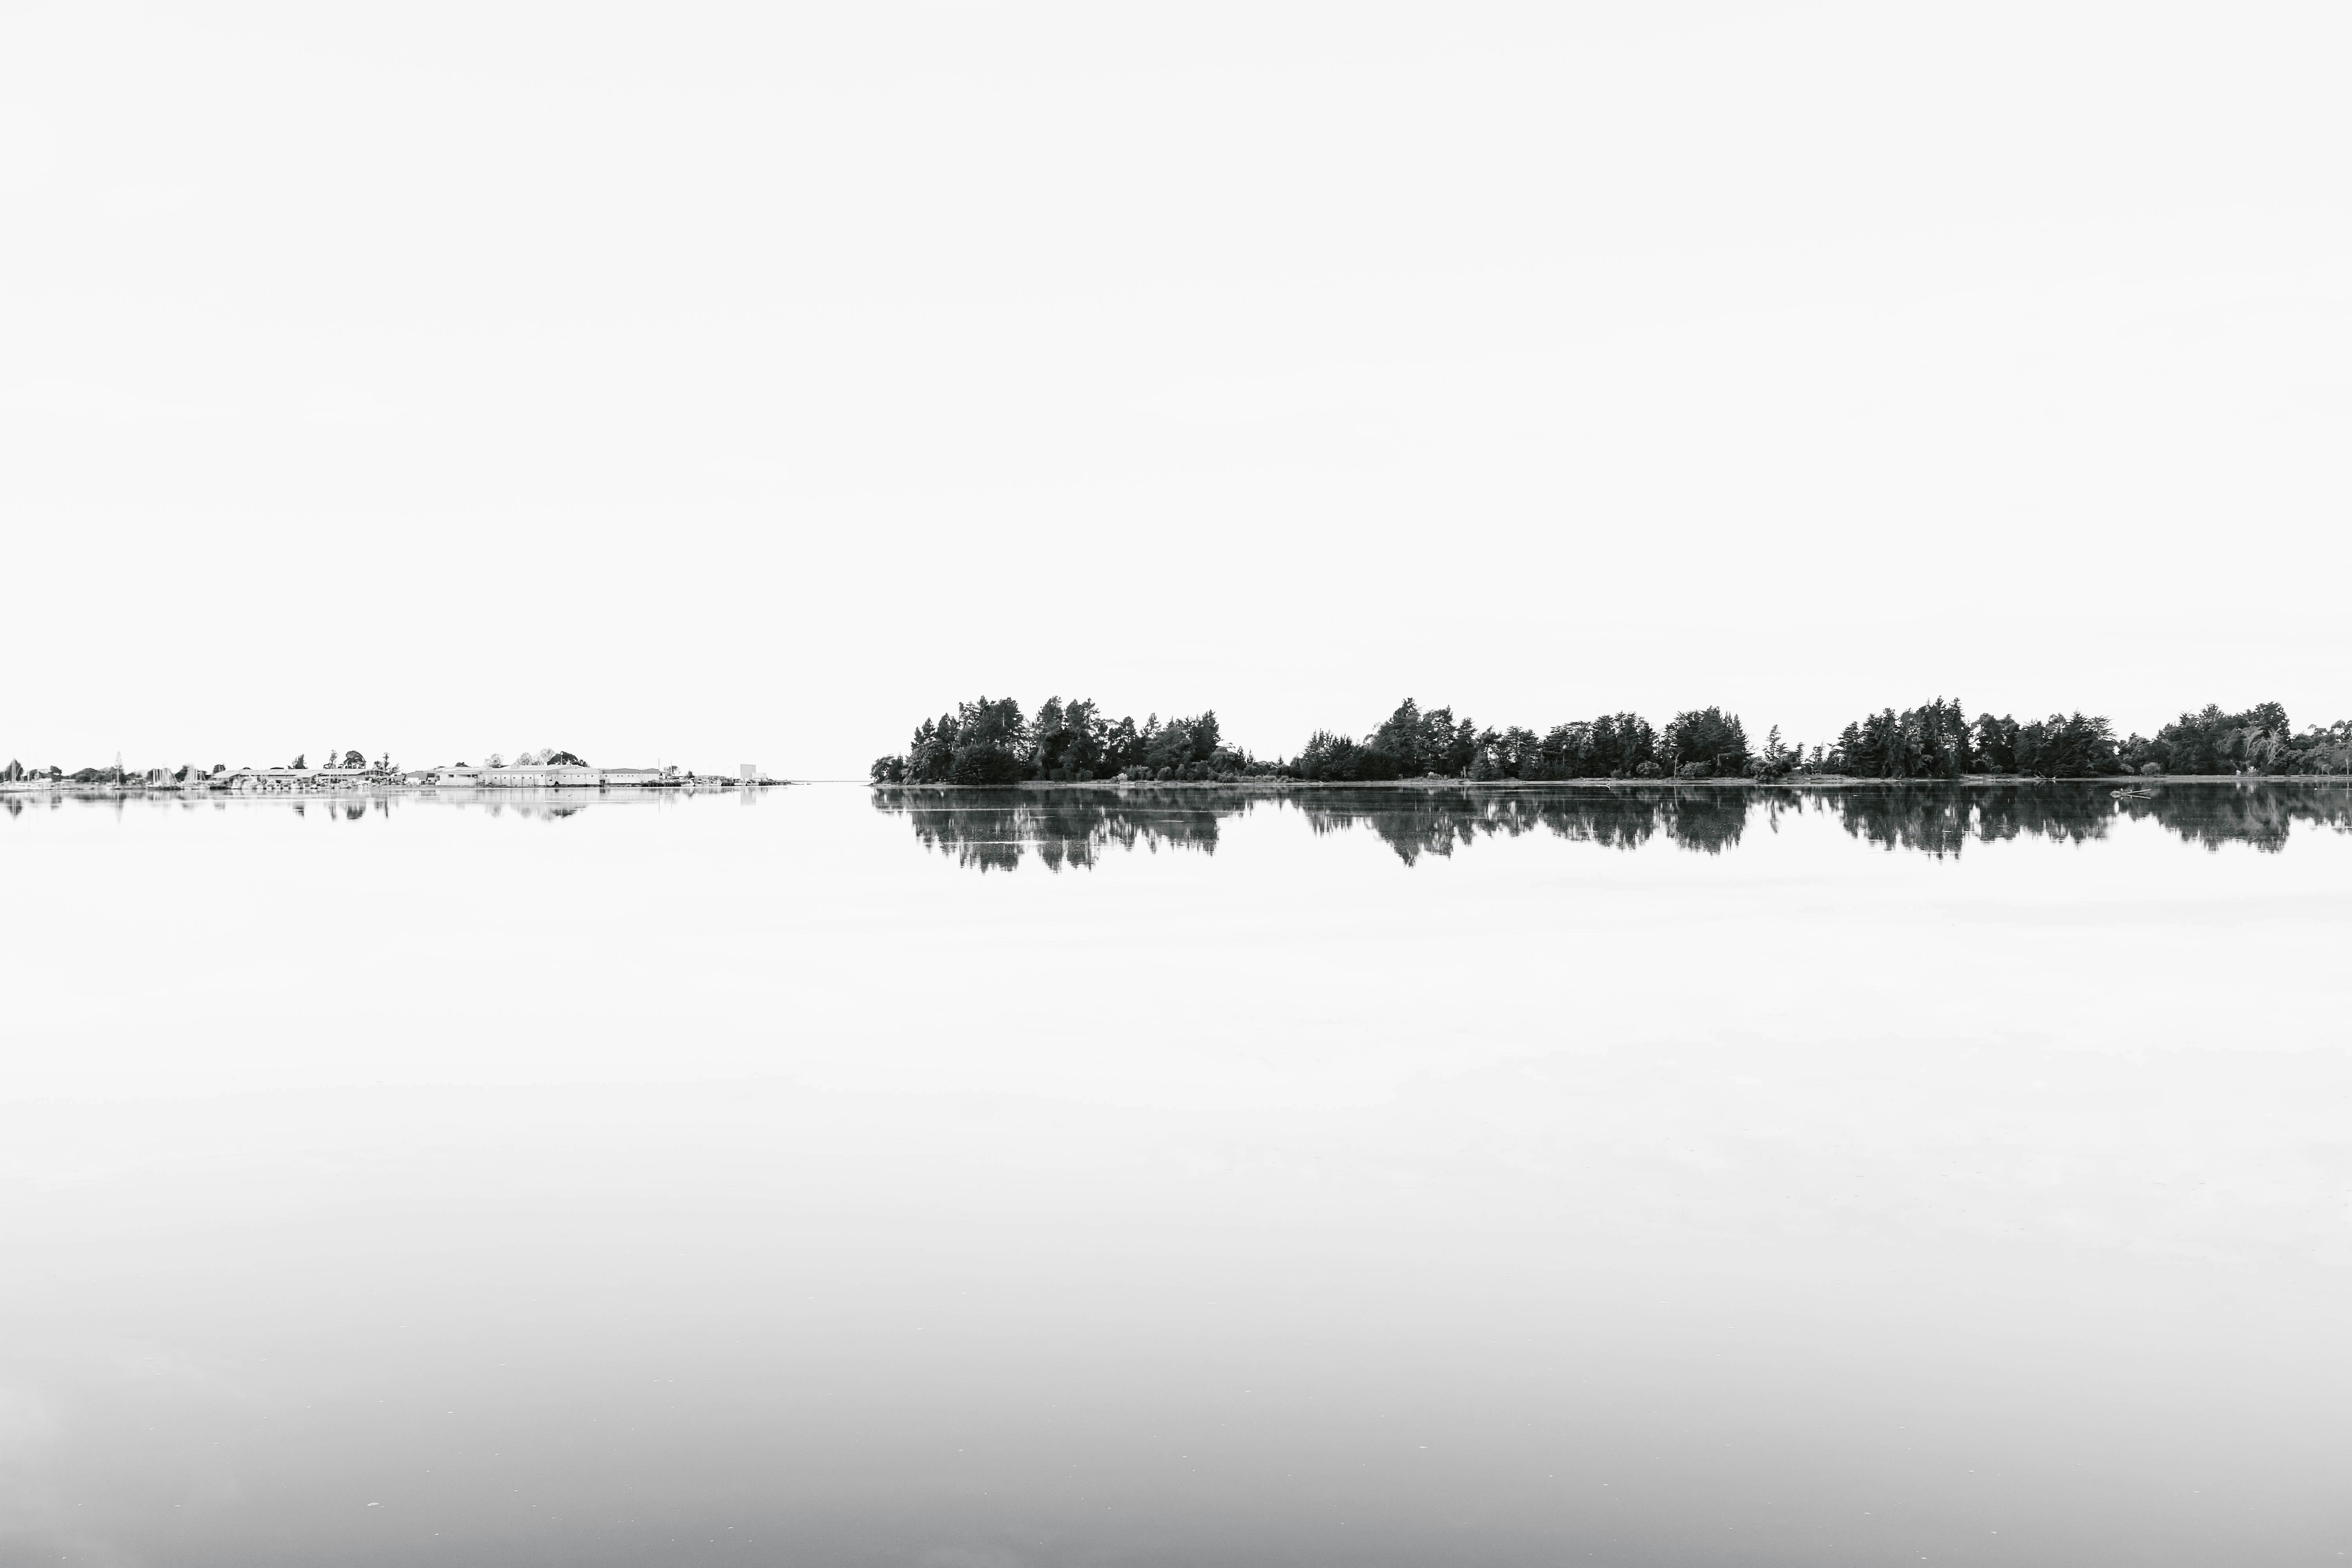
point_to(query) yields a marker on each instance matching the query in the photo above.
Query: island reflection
(999, 829)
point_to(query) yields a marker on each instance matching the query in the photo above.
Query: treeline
(991, 742)
(1411, 743)
(1935, 740)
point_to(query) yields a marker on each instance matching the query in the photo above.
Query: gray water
(813, 1176)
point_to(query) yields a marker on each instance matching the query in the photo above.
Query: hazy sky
(719, 384)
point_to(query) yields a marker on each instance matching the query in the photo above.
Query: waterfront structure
(272, 780)
(316, 781)
(540, 775)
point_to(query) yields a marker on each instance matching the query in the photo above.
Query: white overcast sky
(719, 384)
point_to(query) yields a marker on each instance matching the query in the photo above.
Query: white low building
(540, 775)
(546, 775)
(271, 781)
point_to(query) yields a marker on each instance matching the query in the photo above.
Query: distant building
(540, 775)
(272, 780)
(750, 773)
(456, 775)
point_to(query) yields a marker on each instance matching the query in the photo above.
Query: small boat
(2133, 794)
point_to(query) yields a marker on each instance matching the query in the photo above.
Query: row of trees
(1414, 744)
(1936, 740)
(1933, 741)
(992, 742)
(2259, 740)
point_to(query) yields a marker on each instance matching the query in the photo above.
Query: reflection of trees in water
(2073, 814)
(998, 829)
(2259, 815)
(1931, 824)
(1416, 824)
(994, 830)
(1437, 822)
(1937, 820)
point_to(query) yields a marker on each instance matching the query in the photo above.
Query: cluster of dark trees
(1936, 740)
(1933, 741)
(1702, 743)
(2259, 740)
(992, 742)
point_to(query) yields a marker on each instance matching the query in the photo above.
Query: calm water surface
(1172, 1178)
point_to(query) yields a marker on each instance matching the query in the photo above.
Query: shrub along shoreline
(992, 744)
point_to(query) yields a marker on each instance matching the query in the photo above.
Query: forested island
(993, 743)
